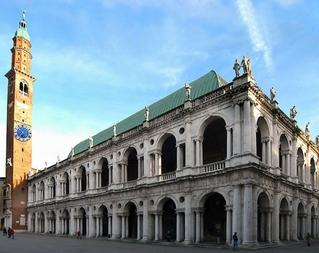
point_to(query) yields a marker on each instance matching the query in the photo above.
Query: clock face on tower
(22, 132)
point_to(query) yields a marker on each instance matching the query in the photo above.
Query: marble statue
(114, 130)
(90, 141)
(188, 89)
(272, 94)
(236, 68)
(146, 114)
(293, 112)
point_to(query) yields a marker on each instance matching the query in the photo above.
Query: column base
(187, 241)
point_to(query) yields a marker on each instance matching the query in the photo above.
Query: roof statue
(114, 130)
(317, 140)
(146, 114)
(188, 90)
(58, 159)
(307, 131)
(245, 63)
(23, 14)
(293, 112)
(45, 164)
(72, 151)
(272, 94)
(236, 68)
(90, 141)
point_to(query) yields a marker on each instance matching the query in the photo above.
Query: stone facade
(229, 161)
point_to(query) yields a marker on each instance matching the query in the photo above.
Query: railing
(130, 184)
(212, 167)
(167, 176)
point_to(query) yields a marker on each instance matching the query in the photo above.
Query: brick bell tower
(19, 125)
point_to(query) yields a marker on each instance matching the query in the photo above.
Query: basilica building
(208, 160)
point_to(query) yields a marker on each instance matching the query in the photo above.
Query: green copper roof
(22, 30)
(204, 85)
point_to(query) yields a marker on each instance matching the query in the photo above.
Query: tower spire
(22, 30)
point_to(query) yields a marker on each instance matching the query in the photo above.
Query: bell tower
(19, 125)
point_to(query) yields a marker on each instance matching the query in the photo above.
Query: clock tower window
(23, 88)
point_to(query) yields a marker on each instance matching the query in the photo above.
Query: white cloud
(247, 14)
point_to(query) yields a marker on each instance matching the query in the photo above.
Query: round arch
(300, 164)
(214, 217)
(262, 132)
(103, 165)
(284, 221)
(103, 213)
(301, 223)
(130, 157)
(82, 221)
(131, 210)
(214, 140)
(263, 218)
(82, 172)
(169, 153)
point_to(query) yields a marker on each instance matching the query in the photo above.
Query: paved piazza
(31, 243)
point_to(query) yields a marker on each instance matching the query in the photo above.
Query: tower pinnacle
(22, 30)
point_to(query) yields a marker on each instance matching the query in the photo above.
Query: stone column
(248, 214)
(229, 142)
(247, 127)
(263, 149)
(236, 221)
(237, 131)
(178, 157)
(308, 230)
(146, 235)
(156, 227)
(268, 236)
(189, 152)
(275, 218)
(115, 223)
(138, 227)
(178, 227)
(198, 227)
(229, 225)
(91, 223)
(269, 144)
(188, 220)
(288, 226)
(198, 152)
(58, 223)
(157, 172)
(294, 220)
(123, 227)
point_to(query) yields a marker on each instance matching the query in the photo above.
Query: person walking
(4, 231)
(308, 238)
(12, 233)
(9, 232)
(235, 241)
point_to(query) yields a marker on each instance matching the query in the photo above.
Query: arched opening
(52, 187)
(312, 172)
(300, 164)
(82, 221)
(262, 140)
(105, 172)
(66, 184)
(263, 218)
(132, 164)
(301, 222)
(42, 190)
(34, 193)
(283, 154)
(65, 222)
(169, 221)
(41, 223)
(23, 88)
(284, 221)
(104, 213)
(169, 160)
(215, 218)
(83, 178)
(215, 141)
(52, 222)
(313, 222)
(33, 223)
(132, 221)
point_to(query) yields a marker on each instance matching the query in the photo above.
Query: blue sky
(99, 61)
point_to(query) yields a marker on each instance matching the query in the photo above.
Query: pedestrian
(78, 234)
(4, 231)
(12, 233)
(308, 238)
(235, 241)
(9, 232)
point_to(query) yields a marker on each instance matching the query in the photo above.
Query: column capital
(198, 210)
